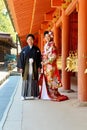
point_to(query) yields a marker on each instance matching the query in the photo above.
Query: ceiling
(28, 15)
(32, 16)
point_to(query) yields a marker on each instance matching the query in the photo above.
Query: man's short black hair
(30, 35)
(46, 32)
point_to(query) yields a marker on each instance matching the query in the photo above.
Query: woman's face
(47, 37)
(30, 41)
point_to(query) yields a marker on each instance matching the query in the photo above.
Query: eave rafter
(71, 7)
(33, 15)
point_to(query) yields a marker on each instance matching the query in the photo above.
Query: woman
(50, 78)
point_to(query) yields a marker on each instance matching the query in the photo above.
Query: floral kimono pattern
(49, 65)
(51, 73)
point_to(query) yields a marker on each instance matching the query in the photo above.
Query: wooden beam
(56, 3)
(71, 7)
(59, 22)
(56, 15)
(33, 15)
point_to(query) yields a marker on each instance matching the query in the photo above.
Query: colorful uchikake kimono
(49, 81)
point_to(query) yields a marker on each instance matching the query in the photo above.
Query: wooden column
(65, 50)
(42, 42)
(39, 41)
(41, 37)
(82, 50)
(56, 37)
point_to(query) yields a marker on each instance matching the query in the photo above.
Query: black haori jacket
(23, 61)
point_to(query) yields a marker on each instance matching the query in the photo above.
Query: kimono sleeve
(39, 58)
(20, 63)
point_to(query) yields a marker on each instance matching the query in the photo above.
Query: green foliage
(5, 22)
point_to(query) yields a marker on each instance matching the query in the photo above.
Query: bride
(49, 81)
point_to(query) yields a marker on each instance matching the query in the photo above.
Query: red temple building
(68, 20)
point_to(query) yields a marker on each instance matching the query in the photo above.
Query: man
(29, 65)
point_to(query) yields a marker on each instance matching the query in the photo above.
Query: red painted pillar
(65, 50)
(57, 38)
(82, 50)
(41, 40)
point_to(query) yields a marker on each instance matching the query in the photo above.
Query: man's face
(30, 41)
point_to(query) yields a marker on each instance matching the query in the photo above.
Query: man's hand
(21, 70)
(39, 70)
